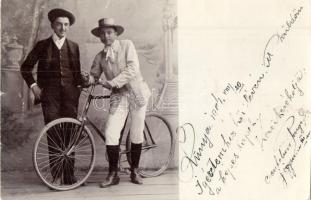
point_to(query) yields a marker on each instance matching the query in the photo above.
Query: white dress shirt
(58, 41)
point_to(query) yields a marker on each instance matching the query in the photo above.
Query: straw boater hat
(107, 22)
(58, 12)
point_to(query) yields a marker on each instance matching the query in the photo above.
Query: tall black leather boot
(135, 157)
(113, 157)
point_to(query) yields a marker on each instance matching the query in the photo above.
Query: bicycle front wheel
(64, 154)
(157, 148)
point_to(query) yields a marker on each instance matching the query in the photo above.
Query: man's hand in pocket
(36, 91)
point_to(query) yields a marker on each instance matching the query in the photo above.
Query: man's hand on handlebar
(91, 80)
(105, 84)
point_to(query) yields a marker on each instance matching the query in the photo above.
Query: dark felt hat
(58, 12)
(107, 22)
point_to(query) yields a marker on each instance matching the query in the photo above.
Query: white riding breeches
(116, 120)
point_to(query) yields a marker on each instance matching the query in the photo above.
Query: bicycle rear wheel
(64, 154)
(157, 148)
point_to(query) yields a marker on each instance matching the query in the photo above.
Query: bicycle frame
(85, 120)
(82, 144)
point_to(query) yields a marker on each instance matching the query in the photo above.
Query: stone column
(12, 82)
(168, 100)
(169, 25)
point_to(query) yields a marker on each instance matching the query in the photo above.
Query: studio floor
(27, 186)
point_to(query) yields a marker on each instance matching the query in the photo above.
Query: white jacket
(123, 73)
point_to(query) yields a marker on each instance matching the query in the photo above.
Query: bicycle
(79, 151)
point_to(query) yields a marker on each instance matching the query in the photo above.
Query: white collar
(115, 46)
(58, 41)
(111, 51)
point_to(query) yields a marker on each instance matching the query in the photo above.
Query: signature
(288, 150)
(190, 155)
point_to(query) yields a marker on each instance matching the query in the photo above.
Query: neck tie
(109, 53)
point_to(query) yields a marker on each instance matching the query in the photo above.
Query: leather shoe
(111, 179)
(135, 177)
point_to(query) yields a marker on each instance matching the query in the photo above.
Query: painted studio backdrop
(150, 24)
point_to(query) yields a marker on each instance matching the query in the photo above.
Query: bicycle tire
(154, 161)
(55, 149)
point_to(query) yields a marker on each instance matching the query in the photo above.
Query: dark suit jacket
(42, 53)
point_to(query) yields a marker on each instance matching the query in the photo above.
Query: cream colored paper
(244, 93)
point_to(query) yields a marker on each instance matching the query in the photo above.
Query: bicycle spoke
(49, 146)
(64, 134)
(46, 157)
(49, 154)
(39, 158)
(87, 155)
(52, 162)
(50, 159)
(47, 165)
(77, 141)
(68, 134)
(81, 158)
(43, 150)
(82, 147)
(71, 129)
(59, 169)
(59, 134)
(73, 135)
(53, 141)
(47, 173)
(83, 151)
(81, 142)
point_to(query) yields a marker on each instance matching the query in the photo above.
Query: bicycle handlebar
(94, 84)
(85, 87)
(100, 97)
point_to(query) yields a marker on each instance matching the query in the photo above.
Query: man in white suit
(130, 94)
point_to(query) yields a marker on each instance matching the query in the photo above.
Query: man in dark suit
(58, 78)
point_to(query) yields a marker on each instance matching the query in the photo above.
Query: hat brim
(119, 30)
(58, 12)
